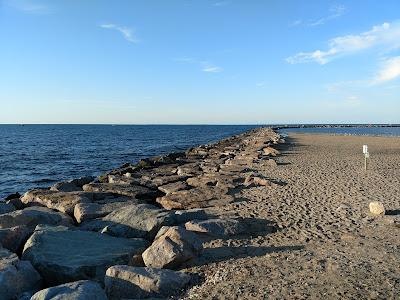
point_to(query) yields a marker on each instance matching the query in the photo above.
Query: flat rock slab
(78, 290)
(196, 198)
(136, 191)
(61, 201)
(16, 276)
(88, 211)
(32, 216)
(142, 220)
(217, 227)
(136, 282)
(72, 185)
(172, 247)
(62, 255)
(173, 187)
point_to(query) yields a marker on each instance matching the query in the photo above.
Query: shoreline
(253, 215)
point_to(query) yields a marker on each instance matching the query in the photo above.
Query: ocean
(41, 155)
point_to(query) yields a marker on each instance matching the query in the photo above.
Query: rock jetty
(130, 232)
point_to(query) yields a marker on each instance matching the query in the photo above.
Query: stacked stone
(127, 233)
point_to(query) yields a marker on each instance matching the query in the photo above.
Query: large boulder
(172, 247)
(16, 276)
(196, 198)
(142, 220)
(173, 187)
(269, 151)
(6, 208)
(136, 282)
(136, 191)
(14, 238)
(217, 227)
(62, 255)
(72, 185)
(32, 216)
(88, 211)
(78, 290)
(61, 201)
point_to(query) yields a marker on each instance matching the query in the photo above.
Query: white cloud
(207, 67)
(386, 35)
(29, 6)
(128, 33)
(390, 70)
(335, 11)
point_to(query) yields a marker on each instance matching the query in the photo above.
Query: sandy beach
(326, 244)
(253, 216)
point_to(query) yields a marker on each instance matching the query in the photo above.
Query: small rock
(16, 276)
(216, 227)
(174, 246)
(376, 208)
(78, 290)
(269, 151)
(136, 282)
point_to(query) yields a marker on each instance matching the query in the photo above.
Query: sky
(199, 61)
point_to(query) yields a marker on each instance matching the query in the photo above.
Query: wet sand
(326, 243)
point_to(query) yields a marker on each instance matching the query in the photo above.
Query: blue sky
(199, 62)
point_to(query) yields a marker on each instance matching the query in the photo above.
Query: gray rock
(216, 227)
(61, 201)
(13, 238)
(62, 255)
(32, 216)
(88, 211)
(135, 282)
(16, 202)
(72, 185)
(78, 290)
(173, 187)
(6, 208)
(142, 220)
(16, 276)
(136, 191)
(172, 247)
(183, 216)
(196, 198)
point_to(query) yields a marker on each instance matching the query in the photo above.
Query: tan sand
(327, 244)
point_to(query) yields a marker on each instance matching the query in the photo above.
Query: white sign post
(366, 156)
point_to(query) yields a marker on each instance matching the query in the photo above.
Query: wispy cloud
(210, 68)
(335, 12)
(127, 33)
(387, 35)
(29, 6)
(205, 66)
(390, 70)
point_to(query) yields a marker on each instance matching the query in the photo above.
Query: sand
(326, 244)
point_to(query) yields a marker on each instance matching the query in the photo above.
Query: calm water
(40, 155)
(383, 131)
